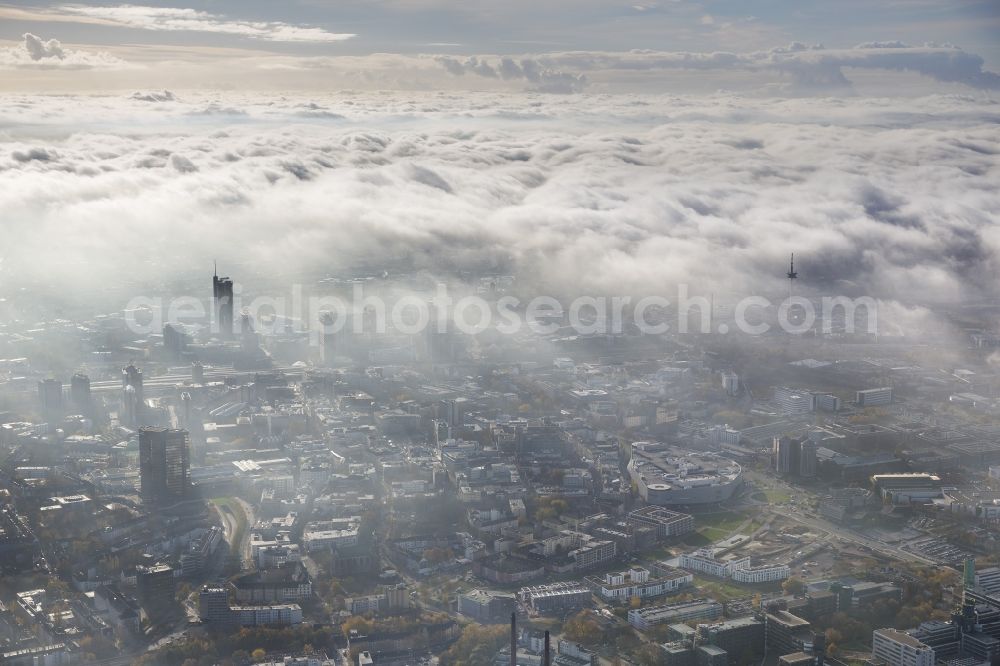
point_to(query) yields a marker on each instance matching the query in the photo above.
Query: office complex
(793, 402)
(215, 610)
(486, 606)
(897, 648)
(875, 397)
(683, 611)
(666, 523)
(987, 581)
(785, 633)
(908, 487)
(741, 638)
(556, 598)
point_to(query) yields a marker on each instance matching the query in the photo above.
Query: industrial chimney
(513, 640)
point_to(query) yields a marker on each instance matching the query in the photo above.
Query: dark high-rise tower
(132, 376)
(513, 639)
(328, 337)
(133, 408)
(50, 397)
(79, 392)
(155, 587)
(186, 412)
(787, 452)
(222, 304)
(439, 338)
(163, 466)
(174, 340)
(248, 336)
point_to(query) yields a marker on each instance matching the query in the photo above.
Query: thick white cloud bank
(40, 54)
(795, 69)
(586, 193)
(807, 69)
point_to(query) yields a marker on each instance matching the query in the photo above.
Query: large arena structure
(670, 476)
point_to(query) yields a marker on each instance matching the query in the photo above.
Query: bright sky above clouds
(551, 45)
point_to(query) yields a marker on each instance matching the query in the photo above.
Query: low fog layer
(588, 193)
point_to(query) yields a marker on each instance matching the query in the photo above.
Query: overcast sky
(637, 45)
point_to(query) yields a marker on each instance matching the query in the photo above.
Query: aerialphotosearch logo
(418, 313)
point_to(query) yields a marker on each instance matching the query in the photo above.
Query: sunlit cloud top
(192, 20)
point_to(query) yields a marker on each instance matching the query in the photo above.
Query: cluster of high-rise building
(795, 456)
(232, 459)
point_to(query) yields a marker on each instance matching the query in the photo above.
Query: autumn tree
(357, 623)
(794, 585)
(477, 645)
(582, 628)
